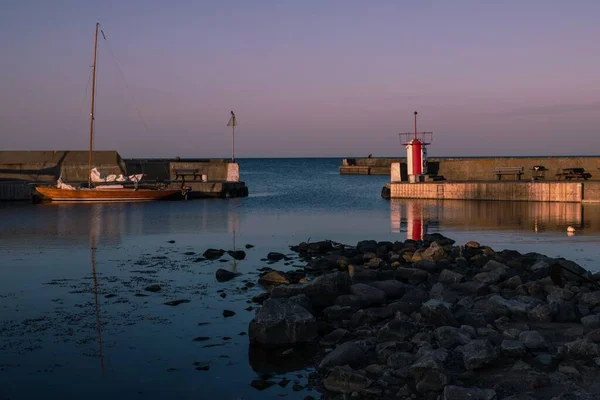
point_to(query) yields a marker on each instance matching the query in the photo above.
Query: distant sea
(76, 320)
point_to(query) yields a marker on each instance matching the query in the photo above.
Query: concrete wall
(163, 169)
(47, 166)
(507, 191)
(591, 192)
(473, 168)
(15, 190)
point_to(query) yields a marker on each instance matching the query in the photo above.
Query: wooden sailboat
(63, 192)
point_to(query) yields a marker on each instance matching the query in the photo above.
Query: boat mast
(92, 108)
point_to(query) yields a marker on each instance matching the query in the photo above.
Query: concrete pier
(575, 192)
(20, 171)
(473, 168)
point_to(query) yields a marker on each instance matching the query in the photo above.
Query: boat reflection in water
(95, 229)
(419, 217)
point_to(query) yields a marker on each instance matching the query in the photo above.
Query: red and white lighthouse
(416, 153)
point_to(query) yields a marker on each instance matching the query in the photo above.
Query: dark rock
(582, 349)
(274, 256)
(401, 360)
(566, 312)
(533, 340)
(449, 337)
(176, 302)
(540, 313)
(429, 266)
(320, 264)
(303, 301)
(249, 246)
(201, 339)
(393, 289)
(461, 393)
(448, 277)
(513, 348)
(338, 313)
(413, 276)
(368, 295)
(213, 254)
(237, 254)
(370, 316)
(439, 239)
(367, 246)
(429, 374)
(438, 313)
(478, 318)
(349, 300)
(223, 275)
(223, 294)
(282, 322)
(322, 291)
(335, 337)
(201, 366)
(153, 288)
(346, 380)
(487, 278)
(591, 300)
(396, 330)
(355, 354)
(591, 321)
(261, 384)
(471, 288)
(478, 353)
(260, 298)
(228, 313)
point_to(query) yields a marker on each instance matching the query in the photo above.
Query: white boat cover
(97, 177)
(61, 185)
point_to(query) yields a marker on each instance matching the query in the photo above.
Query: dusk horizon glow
(305, 79)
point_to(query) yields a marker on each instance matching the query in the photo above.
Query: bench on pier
(516, 171)
(183, 172)
(573, 173)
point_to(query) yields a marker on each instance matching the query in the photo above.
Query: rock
(282, 322)
(274, 256)
(223, 275)
(566, 312)
(370, 316)
(591, 321)
(540, 268)
(338, 313)
(472, 244)
(367, 246)
(346, 380)
(153, 288)
(429, 374)
(495, 266)
(478, 353)
(228, 313)
(274, 278)
(393, 289)
(478, 318)
(533, 340)
(582, 349)
(397, 330)
(448, 277)
(435, 252)
(401, 360)
(438, 313)
(571, 271)
(449, 337)
(413, 276)
(354, 354)
(461, 393)
(512, 348)
(349, 300)
(369, 295)
(516, 308)
(322, 291)
(237, 254)
(260, 298)
(591, 300)
(176, 302)
(593, 336)
(488, 278)
(438, 239)
(568, 370)
(335, 337)
(213, 254)
(512, 283)
(471, 288)
(249, 246)
(540, 313)
(261, 384)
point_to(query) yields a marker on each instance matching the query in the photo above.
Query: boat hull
(99, 194)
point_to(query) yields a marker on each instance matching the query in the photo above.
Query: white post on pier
(232, 123)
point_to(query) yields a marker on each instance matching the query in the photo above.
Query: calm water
(72, 322)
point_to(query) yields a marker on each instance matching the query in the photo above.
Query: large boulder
(397, 330)
(322, 291)
(462, 393)
(354, 354)
(434, 252)
(478, 353)
(282, 322)
(274, 278)
(438, 313)
(429, 374)
(449, 337)
(346, 380)
(448, 277)
(591, 300)
(392, 288)
(369, 295)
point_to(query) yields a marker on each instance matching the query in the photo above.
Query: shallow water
(72, 321)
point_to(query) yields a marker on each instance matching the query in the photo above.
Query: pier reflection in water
(418, 217)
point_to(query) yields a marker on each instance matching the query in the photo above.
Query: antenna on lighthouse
(415, 124)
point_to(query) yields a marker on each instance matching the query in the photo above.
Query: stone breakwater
(433, 320)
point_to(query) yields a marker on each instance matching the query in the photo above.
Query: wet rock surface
(432, 320)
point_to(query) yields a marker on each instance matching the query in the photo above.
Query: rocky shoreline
(432, 320)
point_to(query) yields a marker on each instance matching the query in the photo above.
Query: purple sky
(305, 78)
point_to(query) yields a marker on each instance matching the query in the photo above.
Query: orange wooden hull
(100, 194)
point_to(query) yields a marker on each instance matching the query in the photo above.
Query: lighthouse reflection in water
(419, 217)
